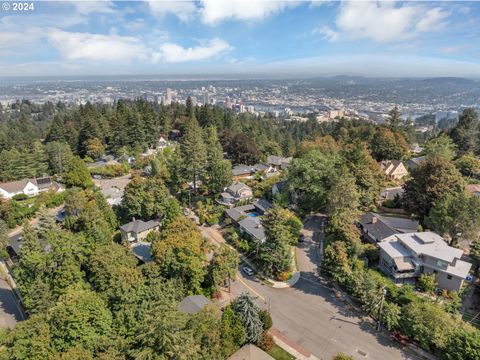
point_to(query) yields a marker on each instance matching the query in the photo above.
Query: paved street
(310, 315)
(9, 310)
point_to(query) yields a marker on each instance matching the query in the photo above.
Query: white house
(26, 186)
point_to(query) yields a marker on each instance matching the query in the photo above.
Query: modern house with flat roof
(404, 257)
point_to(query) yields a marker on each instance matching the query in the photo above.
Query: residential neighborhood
(318, 246)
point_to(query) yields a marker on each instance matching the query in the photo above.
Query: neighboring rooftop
(193, 304)
(382, 227)
(138, 226)
(253, 226)
(250, 352)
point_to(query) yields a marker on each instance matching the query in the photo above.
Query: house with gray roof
(236, 192)
(414, 162)
(243, 172)
(376, 227)
(278, 162)
(137, 230)
(193, 304)
(252, 226)
(257, 208)
(404, 257)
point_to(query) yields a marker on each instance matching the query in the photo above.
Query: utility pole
(384, 292)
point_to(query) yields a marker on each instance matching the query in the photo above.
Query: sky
(241, 37)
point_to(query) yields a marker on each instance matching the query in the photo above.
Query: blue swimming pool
(252, 215)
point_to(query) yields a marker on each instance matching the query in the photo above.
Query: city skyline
(258, 38)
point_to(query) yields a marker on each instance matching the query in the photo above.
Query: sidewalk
(290, 346)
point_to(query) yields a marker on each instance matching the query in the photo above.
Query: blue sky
(264, 37)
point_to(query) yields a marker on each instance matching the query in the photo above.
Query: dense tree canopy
(434, 179)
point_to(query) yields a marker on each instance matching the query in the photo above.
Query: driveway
(10, 312)
(309, 314)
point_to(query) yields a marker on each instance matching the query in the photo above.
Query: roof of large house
(389, 166)
(250, 352)
(16, 186)
(235, 188)
(242, 170)
(138, 226)
(193, 304)
(416, 160)
(278, 160)
(426, 243)
(382, 227)
(262, 204)
(236, 213)
(253, 226)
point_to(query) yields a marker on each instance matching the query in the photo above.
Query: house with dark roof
(376, 228)
(278, 162)
(137, 230)
(242, 172)
(258, 208)
(193, 304)
(393, 169)
(252, 226)
(414, 162)
(236, 192)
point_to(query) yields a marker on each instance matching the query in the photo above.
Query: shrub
(283, 276)
(266, 319)
(427, 282)
(342, 356)
(266, 342)
(20, 197)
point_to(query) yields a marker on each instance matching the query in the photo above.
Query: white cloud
(384, 21)
(216, 11)
(381, 22)
(90, 7)
(115, 48)
(173, 53)
(96, 47)
(135, 25)
(327, 33)
(11, 39)
(184, 10)
(433, 20)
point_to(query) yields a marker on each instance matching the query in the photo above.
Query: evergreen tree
(218, 170)
(466, 133)
(193, 152)
(394, 118)
(245, 306)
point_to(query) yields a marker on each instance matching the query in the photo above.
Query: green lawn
(279, 354)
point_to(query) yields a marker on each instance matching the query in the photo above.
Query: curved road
(311, 317)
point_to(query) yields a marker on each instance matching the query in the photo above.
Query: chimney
(374, 219)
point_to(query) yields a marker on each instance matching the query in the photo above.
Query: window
(449, 277)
